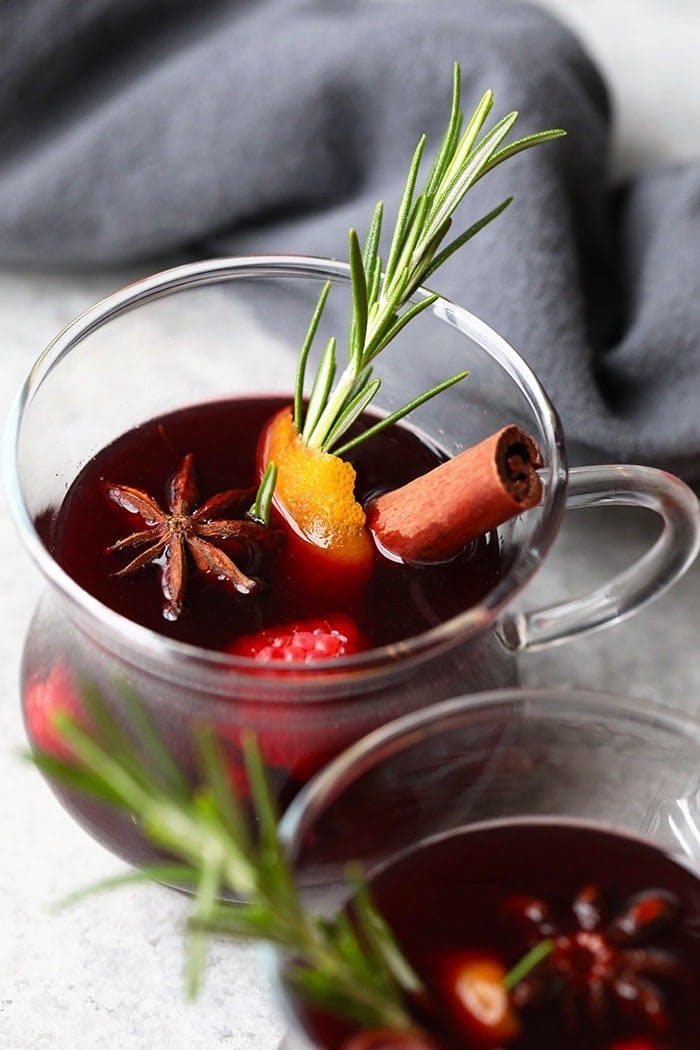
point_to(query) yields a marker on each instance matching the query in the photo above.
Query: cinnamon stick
(434, 516)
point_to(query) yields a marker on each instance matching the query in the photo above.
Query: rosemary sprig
(380, 294)
(351, 968)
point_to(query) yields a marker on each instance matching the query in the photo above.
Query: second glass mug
(522, 760)
(233, 327)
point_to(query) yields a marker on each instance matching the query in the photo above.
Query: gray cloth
(141, 127)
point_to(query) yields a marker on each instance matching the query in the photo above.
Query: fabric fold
(135, 129)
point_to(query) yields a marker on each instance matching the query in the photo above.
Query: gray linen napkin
(138, 127)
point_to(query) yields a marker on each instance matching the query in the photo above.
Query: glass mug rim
(553, 702)
(92, 613)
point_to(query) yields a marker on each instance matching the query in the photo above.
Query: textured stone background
(107, 974)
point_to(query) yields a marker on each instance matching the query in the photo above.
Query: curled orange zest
(315, 500)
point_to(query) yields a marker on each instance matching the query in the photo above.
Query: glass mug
(558, 756)
(233, 327)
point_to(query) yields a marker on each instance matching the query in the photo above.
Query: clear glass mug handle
(667, 560)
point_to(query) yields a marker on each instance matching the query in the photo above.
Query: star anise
(600, 966)
(169, 535)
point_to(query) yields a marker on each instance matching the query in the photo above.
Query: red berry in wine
(44, 699)
(307, 641)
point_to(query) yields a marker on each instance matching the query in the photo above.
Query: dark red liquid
(451, 896)
(400, 601)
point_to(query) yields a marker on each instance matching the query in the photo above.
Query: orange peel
(315, 497)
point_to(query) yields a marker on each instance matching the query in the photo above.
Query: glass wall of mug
(519, 771)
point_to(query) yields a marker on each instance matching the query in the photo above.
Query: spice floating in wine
(615, 915)
(469, 495)
(169, 536)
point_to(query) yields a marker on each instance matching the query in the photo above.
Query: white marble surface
(107, 974)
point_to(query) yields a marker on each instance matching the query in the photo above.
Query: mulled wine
(314, 619)
(620, 920)
(399, 600)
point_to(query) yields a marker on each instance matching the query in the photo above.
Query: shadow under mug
(552, 756)
(232, 327)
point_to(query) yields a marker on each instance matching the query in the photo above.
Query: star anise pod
(169, 535)
(601, 965)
